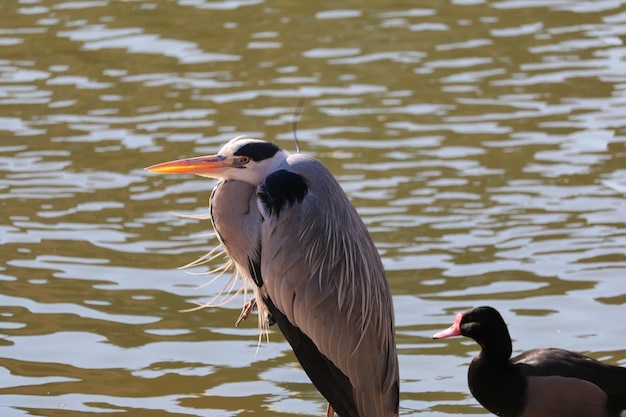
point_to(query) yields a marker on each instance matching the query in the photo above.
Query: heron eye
(244, 159)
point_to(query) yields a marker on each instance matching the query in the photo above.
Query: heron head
(242, 158)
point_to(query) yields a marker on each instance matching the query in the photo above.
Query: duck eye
(244, 159)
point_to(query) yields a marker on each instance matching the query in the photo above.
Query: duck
(544, 382)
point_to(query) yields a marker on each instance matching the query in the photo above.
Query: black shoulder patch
(258, 151)
(282, 188)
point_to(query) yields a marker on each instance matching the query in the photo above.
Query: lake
(482, 142)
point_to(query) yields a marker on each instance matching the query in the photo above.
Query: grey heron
(293, 234)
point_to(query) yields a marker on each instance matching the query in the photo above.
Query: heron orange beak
(201, 165)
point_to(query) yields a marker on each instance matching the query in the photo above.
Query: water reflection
(483, 144)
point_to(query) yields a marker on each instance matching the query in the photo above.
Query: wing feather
(552, 361)
(327, 378)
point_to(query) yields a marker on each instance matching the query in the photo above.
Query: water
(483, 143)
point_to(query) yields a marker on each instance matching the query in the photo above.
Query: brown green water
(482, 142)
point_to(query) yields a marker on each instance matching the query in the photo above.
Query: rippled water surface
(482, 142)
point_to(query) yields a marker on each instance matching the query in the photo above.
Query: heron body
(292, 233)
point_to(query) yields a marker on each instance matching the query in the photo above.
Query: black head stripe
(258, 151)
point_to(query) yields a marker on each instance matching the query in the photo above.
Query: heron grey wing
(326, 377)
(323, 273)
